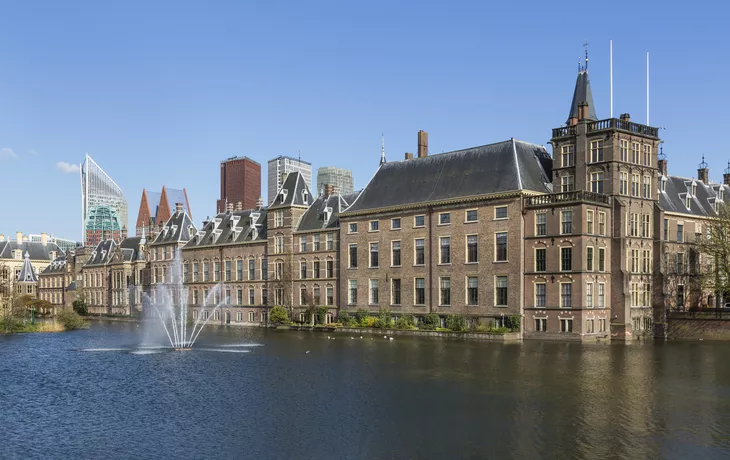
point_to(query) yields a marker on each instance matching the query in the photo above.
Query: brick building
(240, 181)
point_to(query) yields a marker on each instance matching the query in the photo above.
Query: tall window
(597, 182)
(303, 270)
(635, 152)
(420, 291)
(395, 291)
(472, 290)
(634, 260)
(251, 269)
(374, 292)
(566, 259)
(500, 290)
(445, 284)
(666, 229)
(330, 241)
(419, 258)
(646, 260)
(228, 270)
(251, 295)
(279, 218)
(624, 149)
(647, 155)
(567, 155)
(239, 270)
(623, 184)
(302, 244)
(472, 249)
(589, 295)
(566, 222)
(279, 270)
(352, 294)
(540, 294)
(239, 296)
(540, 259)
(541, 224)
(501, 251)
(680, 297)
(680, 233)
(601, 295)
(374, 259)
(601, 223)
(315, 242)
(206, 273)
(330, 269)
(589, 259)
(566, 295)
(647, 187)
(330, 295)
(567, 183)
(680, 262)
(395, 253)
(589, 222)
(185, 273)
(635, 185)
(634, 224)
(264, 269)
(445, 250)
(596, 151)
(315, 269)
(601, 259)
(646, 225)
(353, 256)
(279, 246)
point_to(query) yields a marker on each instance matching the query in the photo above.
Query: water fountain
(169, 305)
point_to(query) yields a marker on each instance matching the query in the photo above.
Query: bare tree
(714, 248)
(12, 307)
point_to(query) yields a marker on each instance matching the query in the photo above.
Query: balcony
(623, 125)
(564, 131)
(577, 196)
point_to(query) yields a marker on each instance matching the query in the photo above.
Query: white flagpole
(647, 88)
(610, 53)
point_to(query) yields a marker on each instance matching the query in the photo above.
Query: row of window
(640, 295)
(163, 253)
(50, 281)
(55, 298)
(315, 298)
(204, 315)
(638, 260)
(317, 272)
(444, 218)
(566, 223)
(316, 245)
(230, 271)
(566, 325)
(566, 259)
(640, 155)
(638, 225)
(419, 254)
(638, 188)
(227, 296)
(680, 231)
(500, 297)
(594, 298)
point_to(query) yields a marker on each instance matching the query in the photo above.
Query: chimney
(703, 175)
(329, 190)
(662, 165)
(259, 204)
(178, 208)
(18, 237)
(583, 110)
(44, 238)
(239, 206)
(625, 117)
(422, 144)
(2, 237)
(572, 121)
(409, 156)
(725, 180)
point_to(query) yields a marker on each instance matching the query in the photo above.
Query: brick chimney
(259, 204)
(662, 165)
(422, 144)
(44, 238)
(582, 110)
(572, 121)
(329, 190)
(409, 156)
(18, 237)
(229, 207)
(725, 180)
(239, 206)
(703, 173)
(178, 208)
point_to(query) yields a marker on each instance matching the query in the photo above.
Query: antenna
(585, 45)
(647, 88)
(610, 60)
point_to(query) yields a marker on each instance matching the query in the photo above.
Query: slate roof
(130, 249)
(231, 228)
(57, 266)
(315, 218)
(177, 196)
(35, 249)
(27, 272)
(505, 166)
(102, 253)
(293, 192)
(676, 189)
(178, 229)
(582, 93)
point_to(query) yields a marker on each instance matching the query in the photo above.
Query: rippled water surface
(245, 393)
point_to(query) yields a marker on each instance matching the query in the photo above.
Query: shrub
(384, 320)
(278, 315)
(346, 319)
(513, 323)
(368, 321)
(361, 314)
(429, 322)
(456, 323)
(406, 321)
(80, 307)
(71, 320)
(321, 315)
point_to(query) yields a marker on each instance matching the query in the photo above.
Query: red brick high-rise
(240, 181)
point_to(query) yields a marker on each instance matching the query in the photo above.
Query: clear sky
(159, 92)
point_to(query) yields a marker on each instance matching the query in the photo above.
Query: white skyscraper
(339, 177)
(280, 166)
(99, 190)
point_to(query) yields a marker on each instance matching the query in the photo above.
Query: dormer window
(254, 233)
(284, 193)
(305, 196)
(663, 184)
(720, 193)
(687, 201)
(694, 189)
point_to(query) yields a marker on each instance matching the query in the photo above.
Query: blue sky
(159, 92)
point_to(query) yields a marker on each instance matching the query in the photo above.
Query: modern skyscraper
(98, 190)
(339, 177)
(280, 166)
(240, 181)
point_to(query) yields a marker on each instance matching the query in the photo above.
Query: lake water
(285, 395)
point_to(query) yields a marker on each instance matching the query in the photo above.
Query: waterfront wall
(695, 326)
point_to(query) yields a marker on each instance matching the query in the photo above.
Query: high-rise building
(340, 178)
(280, 166)
(98, 190)
(240, 181)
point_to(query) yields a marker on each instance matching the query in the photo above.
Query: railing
(564, 131)
(623, 125)
(567, 197)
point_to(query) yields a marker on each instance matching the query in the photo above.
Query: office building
(98, 190)
(240, 181)
(280, 167)
(340, 178)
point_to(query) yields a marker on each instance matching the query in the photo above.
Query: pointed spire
(382, 151)
(582, 105)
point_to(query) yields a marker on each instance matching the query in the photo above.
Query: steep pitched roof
(581, 94)
(178, 229)
(324, 212)
(231, 228)
(673, 197)
(293, 192)
(57, 266)
(102, 253)
(27, 272)
(175, 195)
(36, 250)
(505, 166)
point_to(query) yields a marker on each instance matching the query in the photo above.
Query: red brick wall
(240, 181)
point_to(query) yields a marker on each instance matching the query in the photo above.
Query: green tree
(79, 306)
(71, 320)
(456, 323)
(278, 315)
